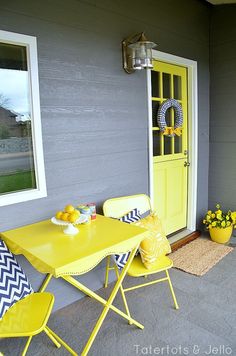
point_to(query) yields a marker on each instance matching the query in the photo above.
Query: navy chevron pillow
(14, 284)
(132, 216)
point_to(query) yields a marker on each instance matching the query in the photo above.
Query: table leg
(45, 283)
(123, 295)
(107, 304)
(101, 300)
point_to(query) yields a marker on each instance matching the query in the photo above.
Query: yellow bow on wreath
(170, 131)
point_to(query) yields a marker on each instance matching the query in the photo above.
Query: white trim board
(192, 130)
(30, 43)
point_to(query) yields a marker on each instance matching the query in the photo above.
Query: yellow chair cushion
(156, 244)
(28, 316)
(137, 268)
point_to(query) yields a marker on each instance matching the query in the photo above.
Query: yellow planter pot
(221, 235)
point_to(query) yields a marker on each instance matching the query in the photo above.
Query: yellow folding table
(52, 252)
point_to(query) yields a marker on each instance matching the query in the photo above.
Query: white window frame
(32, 61)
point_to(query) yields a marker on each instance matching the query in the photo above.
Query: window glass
(16, 150)
(166, 78)
(178, 144)
(167, 145)
(156, 143)
(155, 107)
(155, 77)
(177, 87)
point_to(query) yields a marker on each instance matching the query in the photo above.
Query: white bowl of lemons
(69, 217)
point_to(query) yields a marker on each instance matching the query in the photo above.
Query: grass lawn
(17, 181)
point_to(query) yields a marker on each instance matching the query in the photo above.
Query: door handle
(186, 164)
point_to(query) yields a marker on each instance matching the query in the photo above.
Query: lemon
(77, 212)
(65, 216)
(69, 209)
(58, 215)
(73, 217)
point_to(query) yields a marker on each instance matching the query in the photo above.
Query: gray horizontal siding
(101, 166)
(222, 172)
(88, 143)
(94, 115)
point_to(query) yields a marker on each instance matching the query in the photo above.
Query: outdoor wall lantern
(137, 53)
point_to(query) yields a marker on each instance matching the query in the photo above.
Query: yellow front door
(170, 153)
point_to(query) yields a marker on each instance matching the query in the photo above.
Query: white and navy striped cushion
(132, 216)
(14, 284)
(121, 259)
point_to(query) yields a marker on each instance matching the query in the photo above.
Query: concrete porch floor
(205, 324)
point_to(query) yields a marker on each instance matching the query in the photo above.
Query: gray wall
(222, 177)
(94, 115)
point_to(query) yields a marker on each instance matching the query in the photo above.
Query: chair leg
(66, 346)
(52, 338)
(172, 290)
(107, 272)
(123, 296)
(27, 345)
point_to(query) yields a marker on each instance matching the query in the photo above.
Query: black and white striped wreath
(161, 114)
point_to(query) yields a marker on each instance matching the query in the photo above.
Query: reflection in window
(156, 143)
(166, 85)
(155, 107)
(167, 145)
(16, 152)
(169, 116)
(177, 87)
(178, 144)
(155, 77)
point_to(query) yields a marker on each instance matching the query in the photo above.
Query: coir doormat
(199, 256)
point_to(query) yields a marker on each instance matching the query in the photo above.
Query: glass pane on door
(155, 107)
(178, 144)
(167, 145)
(156, 143)
(166, 80)
(155, 84)
(177, 87)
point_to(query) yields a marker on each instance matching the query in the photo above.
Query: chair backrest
(14, 284)
(117, 207)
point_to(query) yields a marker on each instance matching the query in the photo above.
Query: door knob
(186, 164)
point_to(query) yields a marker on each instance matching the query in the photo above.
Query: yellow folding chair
(28, 317)
(22, 312)
(116, 208)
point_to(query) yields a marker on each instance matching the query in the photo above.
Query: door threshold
(182, 238)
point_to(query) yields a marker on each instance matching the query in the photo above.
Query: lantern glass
(142, 57)
(137, 53)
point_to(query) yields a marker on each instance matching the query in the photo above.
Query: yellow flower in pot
(220, 224)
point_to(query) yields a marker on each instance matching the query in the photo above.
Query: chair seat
(137, 268)
(28, 316)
